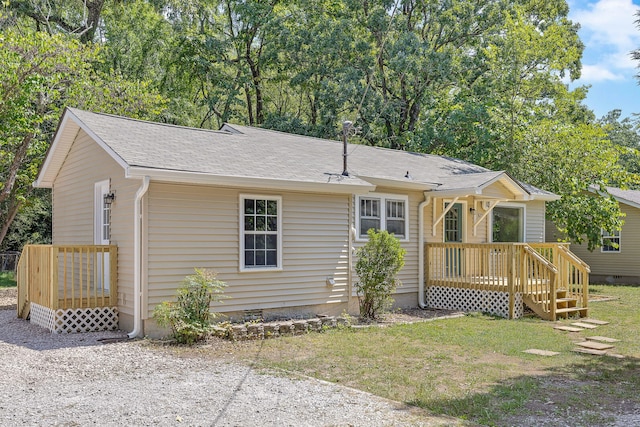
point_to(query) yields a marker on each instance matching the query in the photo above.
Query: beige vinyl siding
(198, 226)
(409, 273)
(73, 205)
(434, 210)
(498, 191)
(623, 263)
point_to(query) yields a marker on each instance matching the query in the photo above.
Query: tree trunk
(18, 158)
(94, 9)
(13, 211)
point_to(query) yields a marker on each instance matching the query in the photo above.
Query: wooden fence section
(537, 271)
(64, 277)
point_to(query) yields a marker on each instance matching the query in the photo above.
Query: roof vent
(346, 127)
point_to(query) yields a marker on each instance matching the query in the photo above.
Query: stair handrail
(574, 258)
(550, 307)
(540, 258)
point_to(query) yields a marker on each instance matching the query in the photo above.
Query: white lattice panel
(41, 316)
(75, 319)
(86, 320)
(491, 302)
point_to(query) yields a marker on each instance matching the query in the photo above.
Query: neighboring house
(137, 205)
(616, 261)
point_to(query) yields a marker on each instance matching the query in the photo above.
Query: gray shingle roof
(630, 197)
(249, 152)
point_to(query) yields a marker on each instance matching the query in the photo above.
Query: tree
(77, 17)
(624, 133)
(41, 74)
(379, 261)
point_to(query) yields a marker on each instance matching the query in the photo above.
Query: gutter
(421, 301)
(137, 259)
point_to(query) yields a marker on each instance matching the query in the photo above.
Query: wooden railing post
(113, 276)
(23, 282)
(511, 284)
(53, 278)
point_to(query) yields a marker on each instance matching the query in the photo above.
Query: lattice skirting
(75, 319)
(492, 302)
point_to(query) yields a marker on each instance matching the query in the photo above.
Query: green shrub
(190, 316)
(379, 260)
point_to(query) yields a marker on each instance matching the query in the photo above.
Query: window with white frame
(260, 231)
(383, 212)
(507, 224)
(610, 241)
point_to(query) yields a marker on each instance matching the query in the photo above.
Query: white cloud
(609, 23)
(609, 32)
(597, 73)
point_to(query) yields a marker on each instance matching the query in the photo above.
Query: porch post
(53, 278)
(512, 280)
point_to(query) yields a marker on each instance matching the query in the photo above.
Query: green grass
(7, 279)
(474, 367)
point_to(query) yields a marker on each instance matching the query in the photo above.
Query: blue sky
(609, 33)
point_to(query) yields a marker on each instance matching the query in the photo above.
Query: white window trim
(522, 206)
(241, 265)
(465, 211)
(619, 237)
(383, 197)
(100, 189)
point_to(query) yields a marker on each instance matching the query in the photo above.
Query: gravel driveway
(82, 379)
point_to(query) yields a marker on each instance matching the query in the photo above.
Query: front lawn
(7, 279)
(474, 367)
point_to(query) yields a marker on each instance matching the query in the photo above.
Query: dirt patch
(8, 298)
(415, 315)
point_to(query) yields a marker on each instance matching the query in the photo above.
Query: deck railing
(536, 270)
(573, 273)
(64, 277)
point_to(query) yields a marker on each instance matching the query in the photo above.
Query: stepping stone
(594, 345)
(541, 352)
(594, 321)
(590, 351)
(602, 339)
(584, 325)
(568, 328)
(615, 356)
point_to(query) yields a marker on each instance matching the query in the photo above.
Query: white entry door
(102, 233)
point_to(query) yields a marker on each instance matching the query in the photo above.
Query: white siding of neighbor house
(611, 264)
(193, 226)
(73, 205)
(535, 221)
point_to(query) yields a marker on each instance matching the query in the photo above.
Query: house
(616, 261)
(138, 205)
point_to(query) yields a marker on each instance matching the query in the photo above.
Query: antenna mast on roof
(346, 127)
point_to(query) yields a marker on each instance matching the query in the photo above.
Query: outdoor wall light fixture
(331, 281)
(109, 198)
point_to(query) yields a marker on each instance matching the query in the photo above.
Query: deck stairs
(565, 305)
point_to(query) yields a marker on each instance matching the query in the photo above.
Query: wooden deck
(67, 277)
(552, 281)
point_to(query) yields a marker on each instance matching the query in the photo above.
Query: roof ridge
(73, 110)
(360, 145)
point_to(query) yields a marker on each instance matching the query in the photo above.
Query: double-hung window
(383, 212)
(610, 241)
(260, 232)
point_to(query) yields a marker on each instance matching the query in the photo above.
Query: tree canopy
(484, 81)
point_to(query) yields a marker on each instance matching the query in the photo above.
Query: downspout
(421, 301)
(137, 259)
(350, 249)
